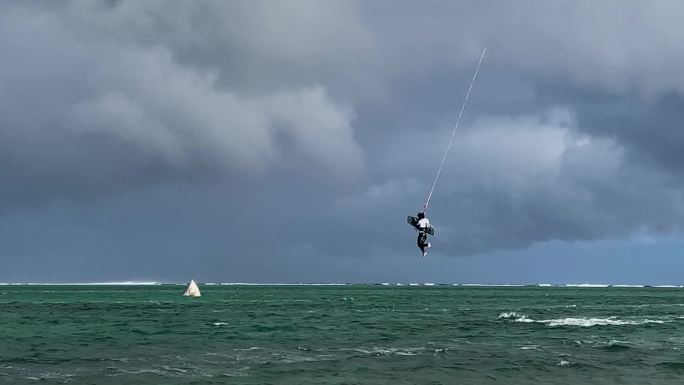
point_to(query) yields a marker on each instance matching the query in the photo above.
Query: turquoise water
(341, 335)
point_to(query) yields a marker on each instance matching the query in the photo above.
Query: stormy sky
(286, 141)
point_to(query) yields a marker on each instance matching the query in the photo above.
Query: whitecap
(120, 283)
(517, 317)
(586, 322)
(579, 321)
(385, 351)
(281, 284)
(174, 369)
(511, 314)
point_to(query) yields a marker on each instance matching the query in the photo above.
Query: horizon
(466, 284)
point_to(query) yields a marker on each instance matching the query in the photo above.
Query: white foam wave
(122, 283)
(587, 285)
(220, 323)
(53, 376)
(160, 371)
(493, 284)
(626, 285)
(580, 321)
(384, 351)
(280, 284)
(586, 322)
(511, 314)
(517, 317)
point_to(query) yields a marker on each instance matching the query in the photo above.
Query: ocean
(340, 334)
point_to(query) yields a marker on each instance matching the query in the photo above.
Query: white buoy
(192, 290)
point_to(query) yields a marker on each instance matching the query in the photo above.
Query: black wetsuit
(422, 240)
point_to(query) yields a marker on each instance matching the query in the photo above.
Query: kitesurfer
(421, 223)
(423, 226)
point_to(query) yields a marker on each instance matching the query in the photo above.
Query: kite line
(458, 121)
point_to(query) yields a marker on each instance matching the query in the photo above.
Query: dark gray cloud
(87, 109)
(280, 140)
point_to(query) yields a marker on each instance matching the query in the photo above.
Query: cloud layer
(248, 134)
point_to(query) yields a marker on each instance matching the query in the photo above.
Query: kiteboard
(413, 221)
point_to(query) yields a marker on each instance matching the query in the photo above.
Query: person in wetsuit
(423, 225)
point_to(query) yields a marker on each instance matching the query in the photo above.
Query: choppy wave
(580, 321)
(386, 351)
(678, 366)
(152, 335)
(616, 346)
(511, 314)
(610, 321)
